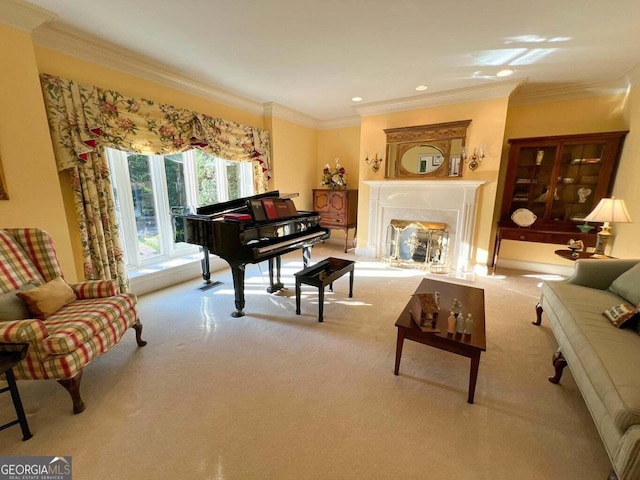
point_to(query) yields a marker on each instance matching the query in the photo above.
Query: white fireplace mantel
(453, 202)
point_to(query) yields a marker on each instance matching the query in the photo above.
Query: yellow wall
(35, 198)
(625, 242)
(487, 128)
(294, 149)
(587, 115)
(342, 143)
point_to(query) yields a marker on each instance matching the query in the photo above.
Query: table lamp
(608, 210)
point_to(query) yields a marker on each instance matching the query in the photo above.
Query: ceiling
(314, 56)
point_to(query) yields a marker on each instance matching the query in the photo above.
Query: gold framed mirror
(426, 151)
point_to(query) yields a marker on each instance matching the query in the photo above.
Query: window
(148, 188)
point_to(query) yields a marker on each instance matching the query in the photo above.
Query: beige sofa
(604, 359)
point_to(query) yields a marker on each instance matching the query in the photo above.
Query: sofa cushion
(16, 268)
(608, 355)
(78, 322)
(47, 299)
(627, 285)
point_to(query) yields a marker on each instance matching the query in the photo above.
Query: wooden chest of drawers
(338, 210)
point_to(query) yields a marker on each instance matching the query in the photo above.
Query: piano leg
(206, 271)
(274, 287)
(237, 271)
(306, 255)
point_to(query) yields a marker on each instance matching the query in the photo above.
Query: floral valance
(83, 118)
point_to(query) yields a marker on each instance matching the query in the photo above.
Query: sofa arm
(94, 289)
(23, 331)
(626, 458)
(599, 273)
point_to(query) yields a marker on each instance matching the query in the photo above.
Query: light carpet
(274, 395)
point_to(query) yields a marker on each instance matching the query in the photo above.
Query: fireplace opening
(417, 244)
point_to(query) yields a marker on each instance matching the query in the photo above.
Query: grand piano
(243, 242)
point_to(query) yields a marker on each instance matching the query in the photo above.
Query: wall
(294, 149)
(35, 197)
(487, 128)
(344, 144)
(625, 242)
(587, 115)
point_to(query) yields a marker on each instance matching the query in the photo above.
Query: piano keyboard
(286, 243)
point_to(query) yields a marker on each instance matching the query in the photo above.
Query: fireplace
(452, 202)
(417, 245)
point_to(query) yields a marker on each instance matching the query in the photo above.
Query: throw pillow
(621, 315)
(627, 285)
(46, 300)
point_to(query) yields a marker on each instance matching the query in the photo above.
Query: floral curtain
(84, 119)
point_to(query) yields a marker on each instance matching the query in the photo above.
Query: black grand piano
(243, 242)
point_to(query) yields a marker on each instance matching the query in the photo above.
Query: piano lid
(232, 205)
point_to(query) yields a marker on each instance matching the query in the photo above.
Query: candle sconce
(475, 159)
(374, 162)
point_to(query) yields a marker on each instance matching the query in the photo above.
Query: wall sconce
(374, 162)
(475, 159)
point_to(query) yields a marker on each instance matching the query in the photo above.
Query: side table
(10, 356)
(569, 255)
(322, 274)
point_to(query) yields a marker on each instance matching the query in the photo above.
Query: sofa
(64, 325)
(593, 316)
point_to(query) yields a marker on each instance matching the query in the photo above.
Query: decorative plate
(523, 217)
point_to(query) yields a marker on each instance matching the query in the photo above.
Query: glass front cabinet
(552, 183)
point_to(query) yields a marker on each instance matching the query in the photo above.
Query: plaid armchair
(63, 342)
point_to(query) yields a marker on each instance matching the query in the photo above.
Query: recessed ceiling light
(504, 73)
(356, 99)
(421, 88)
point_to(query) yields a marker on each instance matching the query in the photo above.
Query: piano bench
(322, 274)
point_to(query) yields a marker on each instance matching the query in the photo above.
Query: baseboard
(549, 268)
(160, 276)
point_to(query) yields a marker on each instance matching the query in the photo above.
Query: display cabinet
(338, 210)
(551, 185)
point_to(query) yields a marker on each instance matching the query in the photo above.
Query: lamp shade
(609, 210)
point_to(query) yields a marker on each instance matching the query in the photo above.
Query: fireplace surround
(453, 202)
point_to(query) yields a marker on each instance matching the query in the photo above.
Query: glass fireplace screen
(417, 244)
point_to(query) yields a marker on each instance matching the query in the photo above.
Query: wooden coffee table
(470, 346)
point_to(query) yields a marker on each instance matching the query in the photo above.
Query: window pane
(239, 179)
(144, 207)
(176, 187)
(233, 179)
(206, 178)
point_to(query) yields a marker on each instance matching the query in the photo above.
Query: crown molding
(67, 40)
(343, 122)
(633, 76)
(286, 113)
(568, 92)
(460, 95)
(23, 15)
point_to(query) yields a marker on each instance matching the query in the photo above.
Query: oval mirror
(422, 159)
(426, 151)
